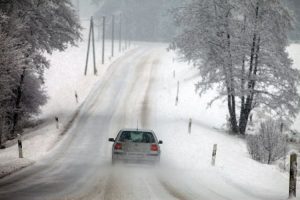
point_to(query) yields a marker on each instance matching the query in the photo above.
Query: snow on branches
(240, 48)
(269, 144)
(28, 28)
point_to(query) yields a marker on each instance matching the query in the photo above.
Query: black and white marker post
(190, 125)
(76, 97)
(214, 154)
(177, 98)
(57, 122)
(20, 148)
(293, 176)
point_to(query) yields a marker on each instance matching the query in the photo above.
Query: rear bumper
(135, 158)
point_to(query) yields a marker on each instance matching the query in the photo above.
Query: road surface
(80, 167)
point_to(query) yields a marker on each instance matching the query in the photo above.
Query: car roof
(134, 129)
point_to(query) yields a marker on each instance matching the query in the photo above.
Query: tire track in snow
(173, 191)
(145, 116)
(145, 111)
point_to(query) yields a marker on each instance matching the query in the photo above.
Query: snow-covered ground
(185, 171)
(236, 175)
(62, 80)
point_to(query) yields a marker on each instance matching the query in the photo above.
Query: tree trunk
(1, 131)
(17, 105)
(232, 112)
(232, 107)
(253, 64)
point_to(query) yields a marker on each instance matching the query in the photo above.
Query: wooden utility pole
(94, 49)
(103, 41)
(91, 37)
(112, 35)
(125, 33)
(120, 34)
(88, 49)
(293, 176)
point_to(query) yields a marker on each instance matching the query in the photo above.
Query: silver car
(135, 145)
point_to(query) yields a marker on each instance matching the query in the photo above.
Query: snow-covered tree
(240, 49)
(30, 28)
(269, 144)
(10, 59)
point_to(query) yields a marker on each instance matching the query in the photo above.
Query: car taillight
(118, 146)
(154, 147)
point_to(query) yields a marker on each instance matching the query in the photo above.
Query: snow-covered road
(80, 166)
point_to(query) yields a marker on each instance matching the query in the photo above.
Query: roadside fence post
(214, 154)
(76, 96)
(57, 122)
(177, 98)
(20, 146)
(190, 125)
(293, 176)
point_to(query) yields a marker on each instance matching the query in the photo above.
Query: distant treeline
(142, 19)
(151, 21)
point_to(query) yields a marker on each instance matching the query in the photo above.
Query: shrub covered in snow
(269, 144)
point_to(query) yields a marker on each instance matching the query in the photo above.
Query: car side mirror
(160, 142)
(111, 140)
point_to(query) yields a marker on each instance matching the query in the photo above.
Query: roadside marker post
(57, 122)
(190, 125)
(20, 148)
(177, 98)
(76, 97)
(214, 154)
(293, 176)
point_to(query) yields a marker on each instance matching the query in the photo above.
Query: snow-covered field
(185, 170)
(62, 80)
(236, 175)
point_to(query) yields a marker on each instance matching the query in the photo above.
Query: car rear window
(137, 136)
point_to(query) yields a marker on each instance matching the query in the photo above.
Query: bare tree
(269, 144)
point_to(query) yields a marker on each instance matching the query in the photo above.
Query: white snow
(236, 175)
(185, 157)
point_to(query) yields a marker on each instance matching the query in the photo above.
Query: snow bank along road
(80, 166)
